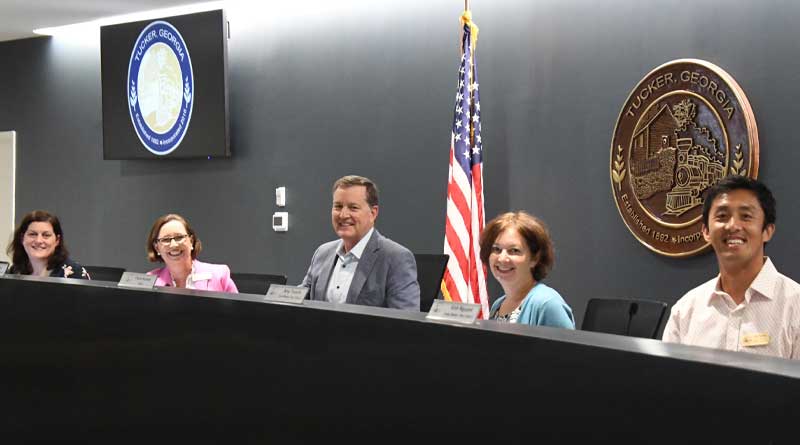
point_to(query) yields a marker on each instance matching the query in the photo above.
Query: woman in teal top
(519, 252)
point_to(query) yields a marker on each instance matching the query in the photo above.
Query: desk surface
(93, 362)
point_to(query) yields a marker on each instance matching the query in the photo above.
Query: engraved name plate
(137, 280)
(443, 310)
(279, 293)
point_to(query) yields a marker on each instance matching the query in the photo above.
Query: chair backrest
(256, 283)
(105, 273)
(631, 317)
(430, 271)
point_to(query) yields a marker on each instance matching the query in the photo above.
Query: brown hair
(20, 263)
(352, 180)
(531, 229)
(152, 253)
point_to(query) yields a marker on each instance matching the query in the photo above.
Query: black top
(69, 269)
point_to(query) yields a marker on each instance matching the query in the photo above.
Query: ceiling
(18, 18)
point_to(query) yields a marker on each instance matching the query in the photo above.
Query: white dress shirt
(767, 321)
(345, 269)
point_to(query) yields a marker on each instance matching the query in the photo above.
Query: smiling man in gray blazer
(362, 266)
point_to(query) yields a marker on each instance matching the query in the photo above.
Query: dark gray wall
(368, 89)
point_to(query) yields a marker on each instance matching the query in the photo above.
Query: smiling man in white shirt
(749, 306)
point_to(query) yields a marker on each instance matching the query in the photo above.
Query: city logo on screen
(160, 87)
(685, 126)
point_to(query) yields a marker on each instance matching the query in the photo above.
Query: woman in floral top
(38, 248)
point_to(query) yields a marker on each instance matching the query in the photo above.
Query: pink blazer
(214, 277)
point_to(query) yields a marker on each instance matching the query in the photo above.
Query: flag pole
(466, 5)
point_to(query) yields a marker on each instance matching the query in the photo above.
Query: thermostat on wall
(280, 196)
(280, 221)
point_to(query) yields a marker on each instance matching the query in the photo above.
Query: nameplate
(279, 293)
(137, 280)
(3, 268)
(443, 310)
(757, 339)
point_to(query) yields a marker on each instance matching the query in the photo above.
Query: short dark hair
(20, 263)
(353, 180)
(532, 230)
(738, 182)
(152, 253)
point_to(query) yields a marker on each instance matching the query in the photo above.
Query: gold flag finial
(466, 19)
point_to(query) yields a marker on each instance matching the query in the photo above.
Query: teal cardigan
(543, 306)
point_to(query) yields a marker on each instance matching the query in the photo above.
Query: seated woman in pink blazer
(173, 242)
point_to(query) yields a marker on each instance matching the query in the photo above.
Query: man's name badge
(279, 293)
(758, 339)
(137, 280)
(443, 310)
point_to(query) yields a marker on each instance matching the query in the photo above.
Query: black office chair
(256, 283)
(103, 273)
(430, 271)
(634, 318)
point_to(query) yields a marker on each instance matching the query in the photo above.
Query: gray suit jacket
(386, 274)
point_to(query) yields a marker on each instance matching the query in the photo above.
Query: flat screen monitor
(165, 88)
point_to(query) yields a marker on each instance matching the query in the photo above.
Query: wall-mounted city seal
(685, 126)
(160, 87)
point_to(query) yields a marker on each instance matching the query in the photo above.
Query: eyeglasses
(167, 240)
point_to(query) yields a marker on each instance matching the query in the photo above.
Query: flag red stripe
(459, 251)
(477, 185)
(457, 195)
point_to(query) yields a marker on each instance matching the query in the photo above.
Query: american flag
(465, 277)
